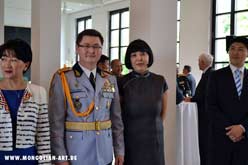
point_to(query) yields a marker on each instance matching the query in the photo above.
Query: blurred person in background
(103, 65)
(190, 77)
(116, 68)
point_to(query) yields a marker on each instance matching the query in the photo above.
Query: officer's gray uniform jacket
(32, 123)
(90, 147)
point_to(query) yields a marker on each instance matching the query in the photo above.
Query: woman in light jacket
(24, 126)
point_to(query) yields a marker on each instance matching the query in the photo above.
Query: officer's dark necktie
(92, 80)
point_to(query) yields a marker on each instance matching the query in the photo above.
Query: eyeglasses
(95, 47)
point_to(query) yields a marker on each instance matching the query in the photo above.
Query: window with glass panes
(230, 17)
(83, 23)
(178, 29)
(119, 35)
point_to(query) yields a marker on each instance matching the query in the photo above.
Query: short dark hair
(89, 32)
(138, 45)
(231, 39)
(187, 67)
(21, 49)
(103, 58)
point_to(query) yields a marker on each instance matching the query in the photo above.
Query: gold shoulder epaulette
(64, 69)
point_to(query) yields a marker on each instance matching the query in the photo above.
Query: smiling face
(89, 51)
(12, 67)
(237, 54)
(139, 61)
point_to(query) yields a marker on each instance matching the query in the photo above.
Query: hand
(235, 132)
(119, 160)
(62, 163)
(237, 139)
(187, 99)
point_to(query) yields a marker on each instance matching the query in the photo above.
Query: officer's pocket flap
(109, 95)
(79, 94)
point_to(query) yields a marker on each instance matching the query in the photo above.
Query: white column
(155, 22)
(45, 39)
(1, 21)
(1, 26)
(195, 29)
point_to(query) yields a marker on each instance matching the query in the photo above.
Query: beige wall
(45, 40)
(1, 21)
(194, 32)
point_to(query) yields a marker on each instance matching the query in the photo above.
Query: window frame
(84, 19)
(232, 14)
(178, 41)
(120, 11)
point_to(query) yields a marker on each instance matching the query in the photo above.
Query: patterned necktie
(237, 80)
(92, 80)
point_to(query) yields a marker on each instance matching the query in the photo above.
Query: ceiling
(71, 6)
(67, 6)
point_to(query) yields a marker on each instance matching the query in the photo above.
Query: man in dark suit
(204, 62)
(227, 103)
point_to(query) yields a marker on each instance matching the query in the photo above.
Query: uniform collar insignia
(77, 70)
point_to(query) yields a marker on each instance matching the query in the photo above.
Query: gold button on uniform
(70, 137)
(97, 108)
(98, 132)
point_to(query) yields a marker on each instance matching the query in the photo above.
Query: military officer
(84, 109)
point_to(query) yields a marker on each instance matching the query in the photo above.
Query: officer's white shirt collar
(233, 68)
(87, 71)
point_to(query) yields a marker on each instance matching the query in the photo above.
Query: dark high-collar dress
(141, 101)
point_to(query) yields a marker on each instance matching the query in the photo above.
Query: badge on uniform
(108, 89)
(77, 103)
(77, 73)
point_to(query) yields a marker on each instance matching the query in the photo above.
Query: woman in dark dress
(144, 101)
(24, 126)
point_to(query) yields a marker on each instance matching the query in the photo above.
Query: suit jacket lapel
(245, 83)
(230, 80)
(84, 81)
